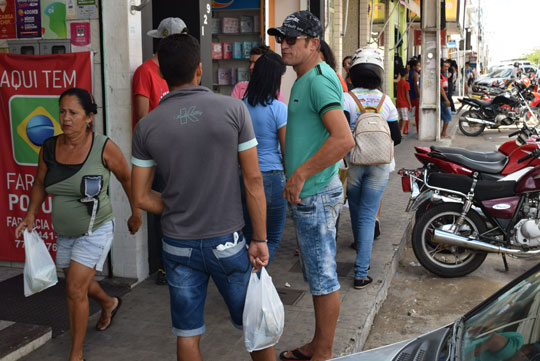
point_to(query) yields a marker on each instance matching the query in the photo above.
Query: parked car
(497, 78)
(492, 81)
(506, 326)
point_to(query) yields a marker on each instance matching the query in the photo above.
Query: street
(419, 301)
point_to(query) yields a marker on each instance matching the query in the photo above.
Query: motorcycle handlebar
(514, 133)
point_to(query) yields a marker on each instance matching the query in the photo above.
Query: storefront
(112, 34)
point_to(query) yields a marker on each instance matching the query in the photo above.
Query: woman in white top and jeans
(366, 183)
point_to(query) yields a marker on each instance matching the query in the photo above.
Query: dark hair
(155, 44)
(259, 50)
(366, 76)
(413, 62)
(328, 55)
(447, 61)
(85, 99)
(468, 63)
(265, 80)
(345, 59)
(178, 56)
(403, 71)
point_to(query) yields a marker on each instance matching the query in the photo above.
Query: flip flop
(113, 313)
(298, 356)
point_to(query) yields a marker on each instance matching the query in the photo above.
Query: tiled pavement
(142, 330)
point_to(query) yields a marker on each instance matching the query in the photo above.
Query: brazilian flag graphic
(33, 120)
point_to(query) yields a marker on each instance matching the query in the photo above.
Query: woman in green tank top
(74, 167)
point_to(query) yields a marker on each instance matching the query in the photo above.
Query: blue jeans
(276, 210)
(315, 222)
(365, 187)
(446, 116)
(190, 263)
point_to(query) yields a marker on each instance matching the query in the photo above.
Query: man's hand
(447, 102)
(134, 223)
(293, 187)
(258, 255)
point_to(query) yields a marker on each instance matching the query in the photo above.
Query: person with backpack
(374, 123)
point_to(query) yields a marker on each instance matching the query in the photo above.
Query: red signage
(8, 21)
(29, 90)
(418, 37)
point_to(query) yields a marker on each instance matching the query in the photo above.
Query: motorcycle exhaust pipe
(479, 121)
(451, 239)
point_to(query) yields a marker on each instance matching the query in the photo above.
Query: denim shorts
(446, 116)
(189, 265)
(315, 222)
(88, 250)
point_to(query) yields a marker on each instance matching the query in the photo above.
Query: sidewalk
(142, 328)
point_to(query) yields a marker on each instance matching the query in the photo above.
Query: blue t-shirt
(267, 120)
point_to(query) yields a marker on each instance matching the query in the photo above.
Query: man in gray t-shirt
(198, 140)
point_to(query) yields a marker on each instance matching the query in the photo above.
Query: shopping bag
(39, 268)
(264, 317)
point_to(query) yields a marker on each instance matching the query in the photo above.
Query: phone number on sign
(51, 246)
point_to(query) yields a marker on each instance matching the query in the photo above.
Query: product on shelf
(217, 50)
(256, 23)
(246, 24)
(230, 25)
(246, 48)
(227, 50)
(255, 44)
(237, 50)
(224, 76)
(216, 25)
(233, 76)
(243, 74)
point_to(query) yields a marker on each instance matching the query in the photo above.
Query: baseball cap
(168, 26)
(298, 23)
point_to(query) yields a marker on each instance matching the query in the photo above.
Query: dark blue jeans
(276, 210)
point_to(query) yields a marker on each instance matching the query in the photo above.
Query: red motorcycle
(470, 218)
(490, 165)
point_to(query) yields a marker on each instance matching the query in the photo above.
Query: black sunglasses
(290, 40)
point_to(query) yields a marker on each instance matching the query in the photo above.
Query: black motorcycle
(506, 108)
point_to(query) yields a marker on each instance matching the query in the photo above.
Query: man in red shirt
(148, 85)
(147, 90)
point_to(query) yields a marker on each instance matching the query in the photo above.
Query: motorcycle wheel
(530, 120)
(471, 129)
(447, 261)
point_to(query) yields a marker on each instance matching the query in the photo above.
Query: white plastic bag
(39, 268)
(264, 317)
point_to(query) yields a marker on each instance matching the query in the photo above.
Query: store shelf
(235, 10)
(236, 34)
(216, 60)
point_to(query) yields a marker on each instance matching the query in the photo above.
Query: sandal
(298, 356)
(113, 313)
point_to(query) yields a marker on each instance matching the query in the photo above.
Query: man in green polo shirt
(317, 138)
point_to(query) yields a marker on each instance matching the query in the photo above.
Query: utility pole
(430, 94)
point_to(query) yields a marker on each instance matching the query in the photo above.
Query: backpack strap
(381, 103)
(362, 110)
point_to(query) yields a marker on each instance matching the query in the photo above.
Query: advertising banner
(28, 18)
(29, 89)
(53, 19)
(7, 19)
(234, 4)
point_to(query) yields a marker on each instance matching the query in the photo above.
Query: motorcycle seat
(479, 102)
(484, 189)
(477, 165)
(481, 156)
